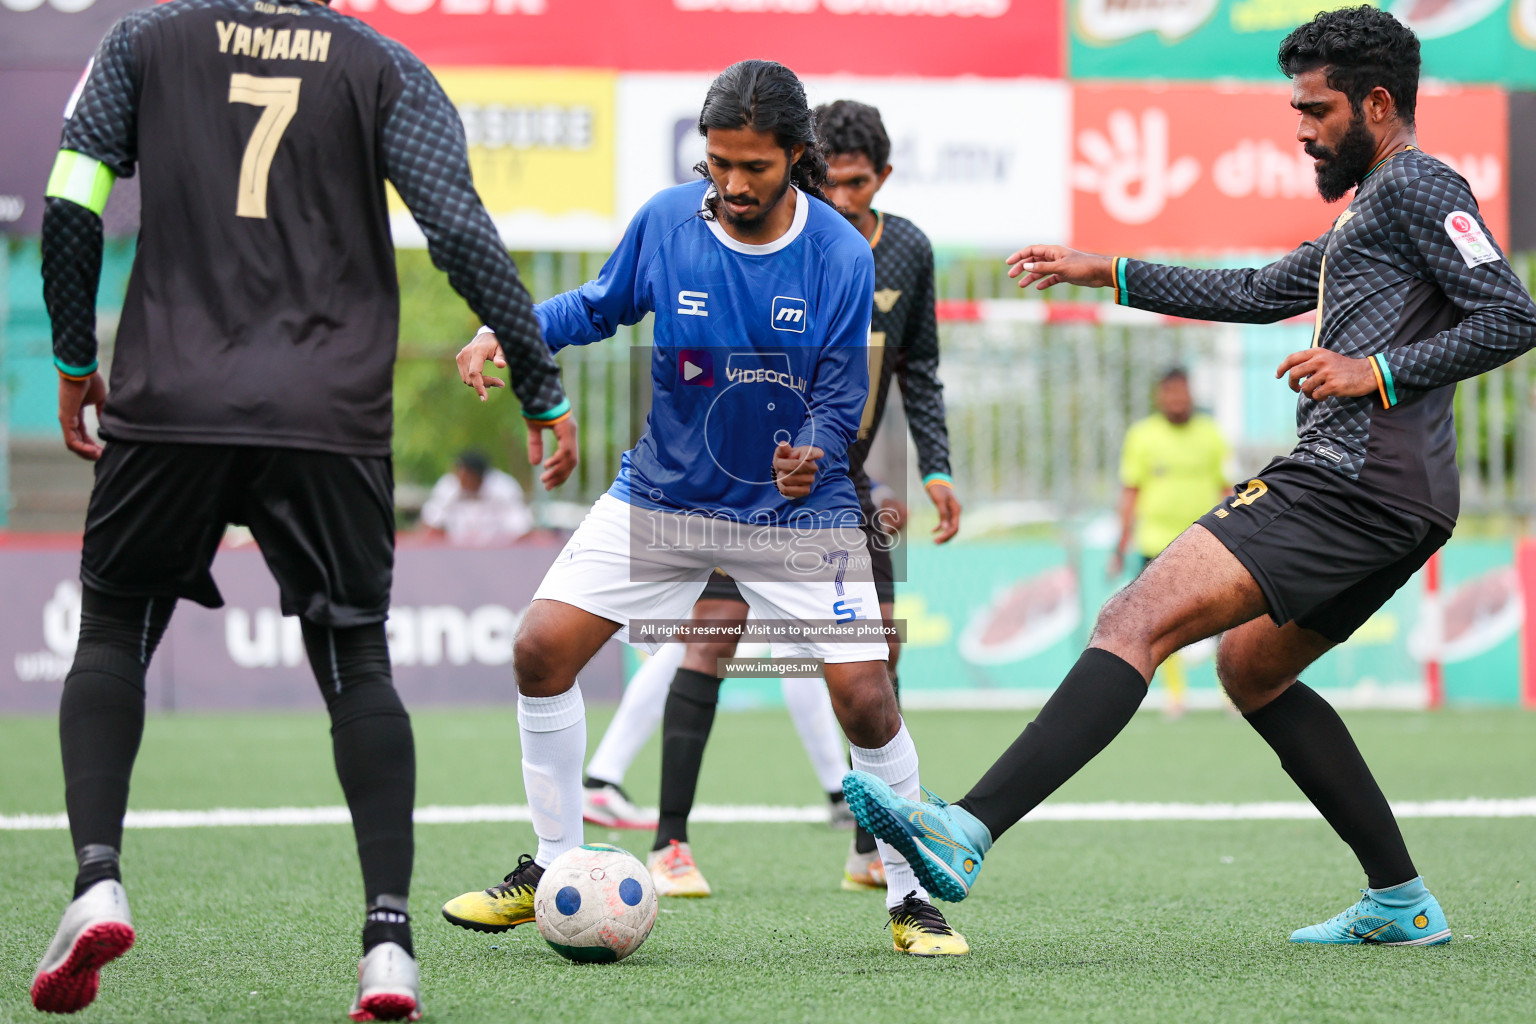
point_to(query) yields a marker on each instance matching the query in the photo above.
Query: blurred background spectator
(475, 504)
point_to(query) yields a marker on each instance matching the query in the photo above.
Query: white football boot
(96, 930)
(610, 807)
(388, 985)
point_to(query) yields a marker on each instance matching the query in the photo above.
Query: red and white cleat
(610, 807)
(96, 930)
(388, 985)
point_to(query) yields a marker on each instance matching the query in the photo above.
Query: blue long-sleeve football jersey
(754, 344)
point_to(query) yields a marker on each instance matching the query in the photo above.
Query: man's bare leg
(554, 642)
(1194, 589)
(878, 742)
(1258, 664)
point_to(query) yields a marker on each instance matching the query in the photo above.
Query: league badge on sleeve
(1470, 238)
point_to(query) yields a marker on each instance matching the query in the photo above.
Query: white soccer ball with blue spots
(595, 904)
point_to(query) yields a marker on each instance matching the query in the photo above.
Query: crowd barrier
(988, 624)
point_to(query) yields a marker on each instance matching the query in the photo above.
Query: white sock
(639, 715)
(894, 764)
(554, 735)
(810, 708)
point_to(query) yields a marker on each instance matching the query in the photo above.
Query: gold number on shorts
(1255, 490)
(279, 98)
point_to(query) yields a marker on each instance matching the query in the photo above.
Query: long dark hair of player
(765, 97)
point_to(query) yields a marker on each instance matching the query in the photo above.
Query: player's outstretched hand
(1321, 373)
(1056, 264)
(558, 467)
(794, 469)
(74, 396)
(948, 505)
(471, 360)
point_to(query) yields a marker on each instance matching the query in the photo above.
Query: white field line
(1524, 807)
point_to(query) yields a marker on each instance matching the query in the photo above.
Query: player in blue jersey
(761, 295)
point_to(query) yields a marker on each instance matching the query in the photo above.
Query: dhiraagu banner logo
(541, 146)
(1462, 40)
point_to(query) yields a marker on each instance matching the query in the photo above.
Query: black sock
(387, 921)
(685, 725)
(863, 842)
(96, 862)
(101, 721)
(1320, 756)
(374, 751)
(1090, 707)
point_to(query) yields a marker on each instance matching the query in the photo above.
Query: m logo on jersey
(692, 303)
(788, 314)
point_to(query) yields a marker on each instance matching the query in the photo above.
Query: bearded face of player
(1336, 135)
(751, 173)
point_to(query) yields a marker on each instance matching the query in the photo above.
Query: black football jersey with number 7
(263, 306)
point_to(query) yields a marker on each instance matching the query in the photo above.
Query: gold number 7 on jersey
(279, 98)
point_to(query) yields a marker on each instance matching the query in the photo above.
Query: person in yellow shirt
(1171, 470)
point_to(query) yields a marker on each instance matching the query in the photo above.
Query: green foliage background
(436, 416)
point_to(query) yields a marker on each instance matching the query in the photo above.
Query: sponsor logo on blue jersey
(788, 314)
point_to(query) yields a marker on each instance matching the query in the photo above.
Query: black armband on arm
(71, 250)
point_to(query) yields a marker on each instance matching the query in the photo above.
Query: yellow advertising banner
(541, 146)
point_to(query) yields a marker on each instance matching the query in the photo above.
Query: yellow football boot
(501, 906)
(919, 929)
(862, 871)
(674, 872)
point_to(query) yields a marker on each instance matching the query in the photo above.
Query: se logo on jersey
(1471, 241)
(788, 314)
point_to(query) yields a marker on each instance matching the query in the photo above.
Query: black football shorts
(1326, 554)
(325, 524)
(722, 588)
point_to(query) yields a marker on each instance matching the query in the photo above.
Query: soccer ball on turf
(595, 904)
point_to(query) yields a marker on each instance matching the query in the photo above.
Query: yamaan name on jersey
(239, 40)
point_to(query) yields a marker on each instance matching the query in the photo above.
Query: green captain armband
(82, 180)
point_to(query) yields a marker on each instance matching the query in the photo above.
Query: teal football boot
(1404, 915)
(944, 844)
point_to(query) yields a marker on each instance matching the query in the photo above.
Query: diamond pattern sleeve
(922, 394)
(1446, 237)
(1284, 288)
(427, 160)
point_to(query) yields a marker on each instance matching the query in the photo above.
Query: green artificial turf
(1112, 922)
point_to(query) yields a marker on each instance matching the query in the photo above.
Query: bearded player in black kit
(251, 384)
(1412, 295)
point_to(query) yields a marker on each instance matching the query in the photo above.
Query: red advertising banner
(1217, 168)
(995, 38)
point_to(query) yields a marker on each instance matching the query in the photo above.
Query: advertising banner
(541, 146)
(1193, 168)
(996, 38)
(452, 620)
(1491, 41)
(977, 163)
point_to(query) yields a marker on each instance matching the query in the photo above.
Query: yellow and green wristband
(74, 372)
(1117, 270)
(550, 417)
(1384, 384)
(939, 479)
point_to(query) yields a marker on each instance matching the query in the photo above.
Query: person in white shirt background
(475, 504)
